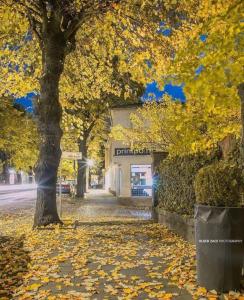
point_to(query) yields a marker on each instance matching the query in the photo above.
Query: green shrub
(176, 185)
(219, 184)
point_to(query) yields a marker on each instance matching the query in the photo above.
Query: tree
(241, 95)
(19, 138)
(208, 59)
(86, 99)
(87, 140)
(204, 51)
(177, 128)
(54, 24)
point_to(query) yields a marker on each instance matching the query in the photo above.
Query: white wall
(114, 163)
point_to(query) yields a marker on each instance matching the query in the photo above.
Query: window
(141, 181)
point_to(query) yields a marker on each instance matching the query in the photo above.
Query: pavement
(96, 261)
(115, 252)
(99, 203)
(120, 263)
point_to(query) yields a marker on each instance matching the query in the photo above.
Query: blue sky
(175, 91)
(26, 102)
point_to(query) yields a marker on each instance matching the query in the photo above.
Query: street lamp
(90, 162)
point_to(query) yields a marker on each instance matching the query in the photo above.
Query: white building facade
(128, 173)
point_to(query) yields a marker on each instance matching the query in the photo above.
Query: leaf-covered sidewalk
(98, 260)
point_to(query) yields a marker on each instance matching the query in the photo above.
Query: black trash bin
(219, 233)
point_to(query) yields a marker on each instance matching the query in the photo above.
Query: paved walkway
(103, 204)
(121, 262)
(98, 261)
(124, 256)
(115, 252)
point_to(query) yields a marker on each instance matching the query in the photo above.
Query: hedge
(176, 181)
(219, 184)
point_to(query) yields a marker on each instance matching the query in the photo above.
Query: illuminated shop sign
(128, 151)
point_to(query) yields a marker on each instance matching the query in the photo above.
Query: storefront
(141, 180)
(128, 173)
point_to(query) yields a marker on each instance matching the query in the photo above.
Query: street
(17, 197)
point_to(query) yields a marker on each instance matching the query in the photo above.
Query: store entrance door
(141, 180)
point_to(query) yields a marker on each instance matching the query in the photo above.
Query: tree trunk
(6, 172)
(49, 118)
(82, 166)
(241, 95)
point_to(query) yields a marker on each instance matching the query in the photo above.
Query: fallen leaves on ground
(97, 261)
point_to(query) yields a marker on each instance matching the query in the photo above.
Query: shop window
(141, 181)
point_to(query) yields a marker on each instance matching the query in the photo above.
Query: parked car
(67, 187)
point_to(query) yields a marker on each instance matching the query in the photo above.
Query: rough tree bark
(241, 95)
(82, 166)
(49, 117)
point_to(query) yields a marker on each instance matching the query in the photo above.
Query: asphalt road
(17, 197)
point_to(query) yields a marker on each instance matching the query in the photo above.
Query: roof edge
(127, 105)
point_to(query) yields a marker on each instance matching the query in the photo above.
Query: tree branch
(86, 13)
(33, 24)
(43, 9)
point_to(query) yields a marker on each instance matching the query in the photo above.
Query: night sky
(176, 92)
(26, 102)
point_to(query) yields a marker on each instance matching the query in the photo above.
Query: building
(128, 173)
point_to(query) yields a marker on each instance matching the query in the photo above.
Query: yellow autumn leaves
(98, 260)
(106, 261)
(18, 134)
(204, 54)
